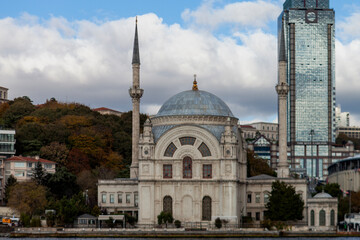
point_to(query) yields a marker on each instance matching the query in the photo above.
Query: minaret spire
(282, 90)
(136, 54)
(135, 93)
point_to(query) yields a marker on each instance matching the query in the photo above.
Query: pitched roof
(28, 159)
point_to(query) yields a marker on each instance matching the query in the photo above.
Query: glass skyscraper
(306, 30)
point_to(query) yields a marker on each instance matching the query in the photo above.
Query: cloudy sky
(80, 51)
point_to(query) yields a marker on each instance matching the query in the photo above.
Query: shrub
(218, 223)
(35, 222)
(25, 219)
(165, 217)
(177, 223)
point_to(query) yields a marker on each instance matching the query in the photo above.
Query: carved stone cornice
(194, 119)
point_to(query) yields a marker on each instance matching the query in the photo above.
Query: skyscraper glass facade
(309, 38)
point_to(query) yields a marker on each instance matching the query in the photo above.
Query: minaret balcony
(282, 89)
(136, 92)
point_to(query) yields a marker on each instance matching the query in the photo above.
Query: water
(293, 238)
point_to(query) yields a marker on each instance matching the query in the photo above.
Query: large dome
(195, 102)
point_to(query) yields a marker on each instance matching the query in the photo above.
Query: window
(20, 164)
(47, 166)
(136, 199)
(258, 216)
(112, 199)
(312, 218)
(204, 150)
(322, 219)
(207, 171)
(249, 198)
(103, 198)
(249, 214)
(266, 197)
(206, 209)
(119, 197)
(170, 150)
(187, 167)
(167, 171)
(19, 174)
(30, 165)
(257, 197)
(332, 218)
(128, 198)
(167, 204)
(187, 140)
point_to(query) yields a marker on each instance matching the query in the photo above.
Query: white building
(342, 119)
(191, 161)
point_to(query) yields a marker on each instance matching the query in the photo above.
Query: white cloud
(90, 63)
(350, 27)
(247, 13)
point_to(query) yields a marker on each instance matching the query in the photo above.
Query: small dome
(195, 103)
(323, 195)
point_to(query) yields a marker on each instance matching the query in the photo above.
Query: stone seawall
(160, 233)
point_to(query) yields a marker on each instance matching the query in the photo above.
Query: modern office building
(351, 132)
(306, 42)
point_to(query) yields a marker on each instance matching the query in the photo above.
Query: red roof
(28, 159)
(105, 109)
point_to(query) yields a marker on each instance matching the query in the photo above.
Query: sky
(80, 51)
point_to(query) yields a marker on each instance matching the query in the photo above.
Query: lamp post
(312, 133)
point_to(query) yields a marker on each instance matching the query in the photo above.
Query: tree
(19, 108)
(9, 183)
(257, 166)
(62, 183)
(28, 197)
(56, 152)
(284, 203)
(331, 188)
(40, 175)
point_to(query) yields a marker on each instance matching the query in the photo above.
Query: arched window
(312, 218)
(187, 140)
(322, 219)
(332, 218)
(206, 208)
(167, 204)
(187, 167)
(170, 150)
(205, 151)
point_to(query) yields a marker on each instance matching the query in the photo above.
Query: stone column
(282, 90)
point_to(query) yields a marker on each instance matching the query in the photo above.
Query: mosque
(190, 160)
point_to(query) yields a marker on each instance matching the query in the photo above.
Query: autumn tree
(284, 203)
(9, 183)
(257, 166)
(28, 197)
(19, 108)
(55, 152)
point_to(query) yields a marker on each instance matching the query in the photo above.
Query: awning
(114, 217)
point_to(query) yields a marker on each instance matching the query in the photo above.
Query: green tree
(28, 197)
(284, 203)
(40, 176)
(9, 183)
(62, 183)
(331, 188)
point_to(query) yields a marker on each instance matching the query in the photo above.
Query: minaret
(135, 93)
(282, 90)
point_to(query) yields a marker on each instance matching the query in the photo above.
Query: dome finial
(195, 87)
